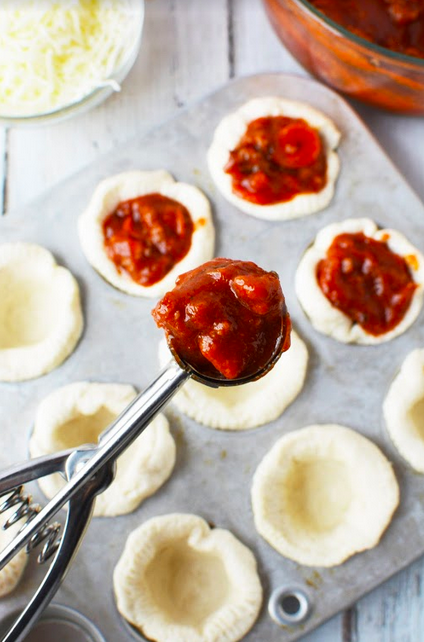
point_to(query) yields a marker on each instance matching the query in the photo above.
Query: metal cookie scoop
(89, 470)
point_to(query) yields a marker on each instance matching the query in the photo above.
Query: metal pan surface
(345, 384)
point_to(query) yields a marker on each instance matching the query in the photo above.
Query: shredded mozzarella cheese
(55, 52)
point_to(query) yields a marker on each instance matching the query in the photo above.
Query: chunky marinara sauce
(147, 236)
(395, 24)
(225, 318)
(276, 159)
(364, 279)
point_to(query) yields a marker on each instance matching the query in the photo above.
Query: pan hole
(288, 606)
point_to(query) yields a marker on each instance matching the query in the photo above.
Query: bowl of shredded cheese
(61, 57)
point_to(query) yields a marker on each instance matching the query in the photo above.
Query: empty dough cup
(178, 580)
(40, 312)
(404, 410)
(248, 406)
(11, 574)
(322, 494)
(77, 414)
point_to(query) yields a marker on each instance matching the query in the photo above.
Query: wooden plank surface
(3, 170)
(189, 48)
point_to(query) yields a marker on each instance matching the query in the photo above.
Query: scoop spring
(48, 533)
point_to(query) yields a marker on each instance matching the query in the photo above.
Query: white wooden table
(190, 48)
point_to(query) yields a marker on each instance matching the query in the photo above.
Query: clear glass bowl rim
(412, 61)
(96, 96)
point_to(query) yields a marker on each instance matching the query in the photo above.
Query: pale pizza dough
(178, 580)
(250, 405)
(77, 414)
(232, 128)
(12, 572)
(40, 312)
(328, 319)
(322, 494)
(128, 185)
(404, 410)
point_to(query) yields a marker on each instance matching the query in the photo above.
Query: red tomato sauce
(368, 282)
(225, 318)
(146, 236)
(395, 24)
(276, 159)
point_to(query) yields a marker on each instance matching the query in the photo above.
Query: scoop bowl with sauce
(372, 50)
(226, 321)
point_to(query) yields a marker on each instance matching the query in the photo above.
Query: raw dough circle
(128, 185)
(178, 580)
(322, 314)
(12, 572)
(403, 410)
(250, 405)
(77, 414)
(40, 312)
(232, 128)
(322, 494)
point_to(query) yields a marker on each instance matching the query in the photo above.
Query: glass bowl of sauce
(372, 50)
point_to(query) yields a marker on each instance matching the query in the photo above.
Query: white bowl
(95, 96)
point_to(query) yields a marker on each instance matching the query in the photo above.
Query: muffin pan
(345, 384)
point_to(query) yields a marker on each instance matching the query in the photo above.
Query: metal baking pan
(345, 384)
